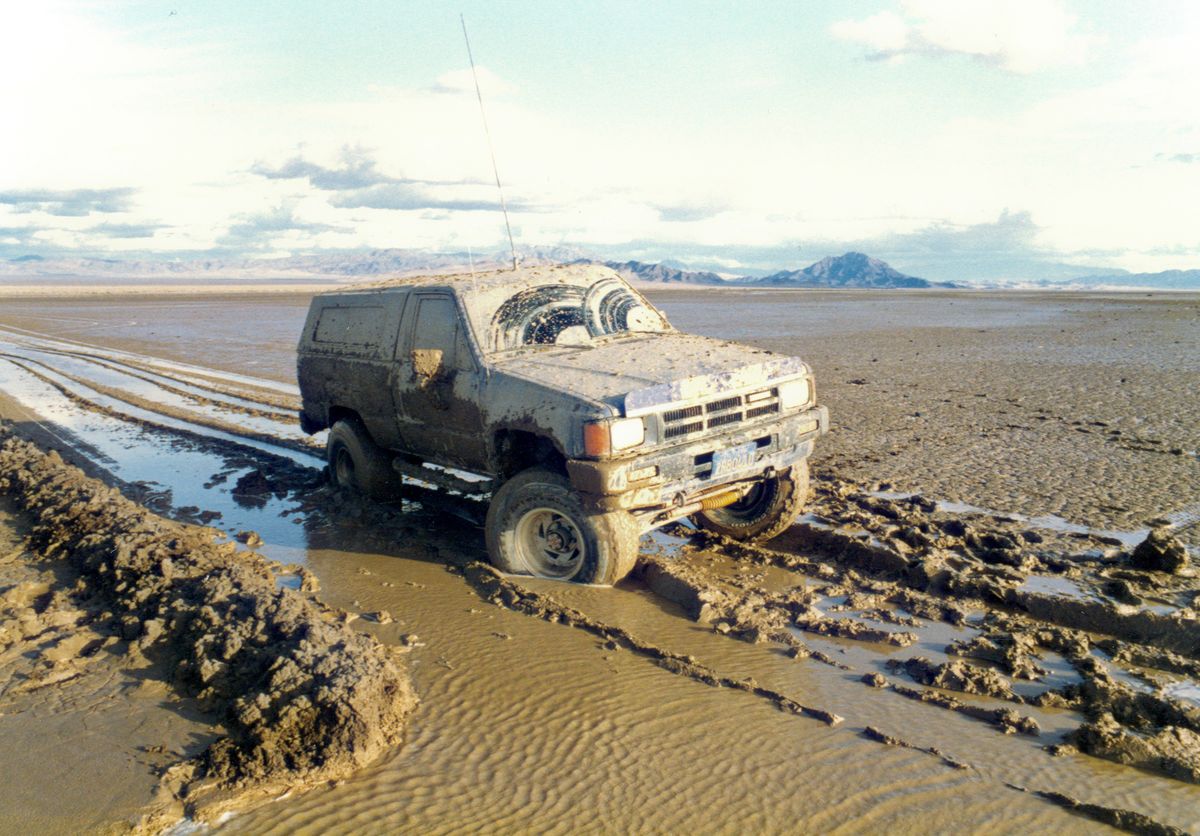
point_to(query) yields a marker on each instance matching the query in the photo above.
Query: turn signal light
(601, 438)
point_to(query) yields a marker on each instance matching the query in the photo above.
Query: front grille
(727, 403)
(676, 430)
(769, 409)
(673, 415)
(723, 412)
(722, 420)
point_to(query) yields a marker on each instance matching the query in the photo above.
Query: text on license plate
(733, 458)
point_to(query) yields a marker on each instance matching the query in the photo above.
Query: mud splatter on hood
(651, 368)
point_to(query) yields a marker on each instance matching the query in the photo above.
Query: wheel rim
(343, 468)
(550, 544)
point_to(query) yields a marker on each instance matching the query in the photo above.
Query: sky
(955, 139)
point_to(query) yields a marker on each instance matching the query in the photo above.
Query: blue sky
(956, 139)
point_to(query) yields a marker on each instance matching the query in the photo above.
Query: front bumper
(682, 474)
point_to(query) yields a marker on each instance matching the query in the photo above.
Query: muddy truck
(570, 399)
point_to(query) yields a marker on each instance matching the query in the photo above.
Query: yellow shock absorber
(720, 500)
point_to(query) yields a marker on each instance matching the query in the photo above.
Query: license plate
(733, 458)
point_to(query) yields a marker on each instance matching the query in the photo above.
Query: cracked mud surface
(915, 662)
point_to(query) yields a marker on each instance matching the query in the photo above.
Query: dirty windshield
(566, 315)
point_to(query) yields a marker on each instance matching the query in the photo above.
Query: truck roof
(575, 274)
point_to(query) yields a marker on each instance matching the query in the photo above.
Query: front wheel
(770, 507)
(537, 525)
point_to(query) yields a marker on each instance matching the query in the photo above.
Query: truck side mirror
(427, 365)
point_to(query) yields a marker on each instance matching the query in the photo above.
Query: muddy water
(174, 470)
(530, 724)
(526, 724)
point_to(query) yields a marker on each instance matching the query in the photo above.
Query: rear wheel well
(518, 450)
(343, 413)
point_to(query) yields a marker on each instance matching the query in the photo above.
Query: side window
(359, 326)
(437, 327)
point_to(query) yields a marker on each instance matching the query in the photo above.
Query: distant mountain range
(1166, 280)
(850, 270)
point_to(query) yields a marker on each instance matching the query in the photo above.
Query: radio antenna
(488, 135)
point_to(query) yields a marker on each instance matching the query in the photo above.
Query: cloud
(258, 231)
(357, 171)
(1021, 36)
(408, 196)
(70, 203)
(1178, 158)
(690, 212)
(146, 230)
(462, 81)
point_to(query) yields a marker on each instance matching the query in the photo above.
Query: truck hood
(641, 373)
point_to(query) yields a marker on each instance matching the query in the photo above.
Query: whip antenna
(488, 134)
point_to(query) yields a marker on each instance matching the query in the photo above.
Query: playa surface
(1014, 446)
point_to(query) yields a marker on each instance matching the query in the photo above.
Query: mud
(1126, 820)
(1160, 552)
(1026, 624)
(303, 698)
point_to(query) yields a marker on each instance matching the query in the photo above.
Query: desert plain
(957, 635)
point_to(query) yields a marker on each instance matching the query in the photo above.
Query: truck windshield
(568, 314)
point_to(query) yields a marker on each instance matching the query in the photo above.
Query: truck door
(437, 384)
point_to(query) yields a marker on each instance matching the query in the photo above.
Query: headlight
(603, 437)
(795, 393)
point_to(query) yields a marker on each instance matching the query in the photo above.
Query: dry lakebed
(986, 620)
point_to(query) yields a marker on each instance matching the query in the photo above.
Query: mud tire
(767, 511)
(537, 505)
(357, 463)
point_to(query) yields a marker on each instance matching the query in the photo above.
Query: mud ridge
(303, 697)
(872, 733)
(1126, 820)
(151, 406)
(980, 565)
(250, 435)
(257, 412)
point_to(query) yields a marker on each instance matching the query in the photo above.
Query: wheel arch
(515, 450)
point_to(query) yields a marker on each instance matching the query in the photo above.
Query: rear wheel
(770, 507)
(357, 463)
(537, 525)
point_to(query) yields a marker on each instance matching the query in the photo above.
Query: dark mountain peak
(853, 269)
(640, 271)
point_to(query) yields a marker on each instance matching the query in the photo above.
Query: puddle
(178, 466)
(1058, 587)
(1184, 691)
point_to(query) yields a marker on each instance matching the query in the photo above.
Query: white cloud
(885, 33)
(463, 81)
(1022, 36)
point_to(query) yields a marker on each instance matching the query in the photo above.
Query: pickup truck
(570, 399)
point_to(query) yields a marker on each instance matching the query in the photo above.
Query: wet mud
(303, 698)
(1030, 670)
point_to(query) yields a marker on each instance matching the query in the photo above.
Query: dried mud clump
(955, 676)
(1173, 751)
(1160, 552)
(302, 696)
